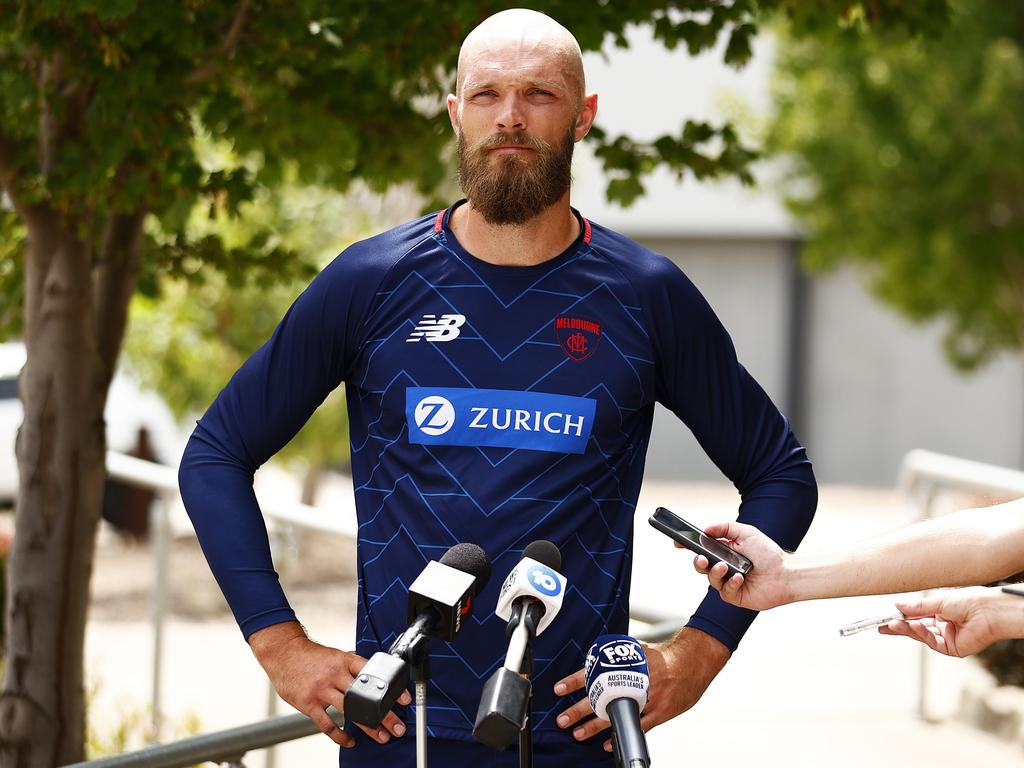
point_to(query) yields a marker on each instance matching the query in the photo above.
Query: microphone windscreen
(616, 668)
(543, 551)
(472, 560)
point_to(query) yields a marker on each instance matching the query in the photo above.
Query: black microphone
(529, 600)
(439, 600)
(617, 682)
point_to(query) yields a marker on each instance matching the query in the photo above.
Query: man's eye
(539, 92)
(484, 94)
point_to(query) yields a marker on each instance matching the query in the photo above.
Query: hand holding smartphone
(695, 540)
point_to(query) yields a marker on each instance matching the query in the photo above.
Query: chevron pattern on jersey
(415, 501)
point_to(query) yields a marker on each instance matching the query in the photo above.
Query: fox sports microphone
(529, 599)
(617, 683)
(439, 600)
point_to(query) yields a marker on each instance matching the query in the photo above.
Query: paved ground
(795, 694)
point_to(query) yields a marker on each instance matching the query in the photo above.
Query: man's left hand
(681, 670)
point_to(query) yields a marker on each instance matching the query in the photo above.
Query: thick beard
(515, 189)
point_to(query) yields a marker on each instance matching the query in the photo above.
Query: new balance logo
(434, 328)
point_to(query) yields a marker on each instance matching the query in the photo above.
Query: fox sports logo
(621, 653)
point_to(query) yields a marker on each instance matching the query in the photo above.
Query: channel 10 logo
(544, 580)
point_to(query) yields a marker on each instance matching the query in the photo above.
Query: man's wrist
(700, 651)
(1008, 615)
(809, 577)
(266, 643)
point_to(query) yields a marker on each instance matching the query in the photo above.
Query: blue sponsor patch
(502, 418)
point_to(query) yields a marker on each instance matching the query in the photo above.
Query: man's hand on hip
(312, 677)
(681, 670)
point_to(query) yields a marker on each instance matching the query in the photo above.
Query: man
(967, 547)
(502, 360)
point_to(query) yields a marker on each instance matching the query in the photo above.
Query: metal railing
(230, 746)
(924, 475)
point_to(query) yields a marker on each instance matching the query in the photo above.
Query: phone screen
(700, 541)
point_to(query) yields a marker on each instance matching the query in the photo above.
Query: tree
(100, 105)
(187, 340)
(907, 158)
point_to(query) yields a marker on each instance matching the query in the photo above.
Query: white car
(129, 409)
(12, 360)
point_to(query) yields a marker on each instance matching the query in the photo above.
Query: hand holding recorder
(961, 622)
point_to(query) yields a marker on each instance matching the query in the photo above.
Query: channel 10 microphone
(529, 600)
(617, 683)
(439, 601)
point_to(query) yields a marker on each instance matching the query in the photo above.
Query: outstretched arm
(968, 547)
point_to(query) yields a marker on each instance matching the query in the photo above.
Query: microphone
(529, 600)
(439, 599)
(617, 683)
(534, 583)
(443, 593)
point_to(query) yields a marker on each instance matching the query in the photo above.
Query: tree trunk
(61, 459)
(311, 484)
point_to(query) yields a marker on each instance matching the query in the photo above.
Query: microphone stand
(526, 734)
(628, 740)
(419, 671)
(412, 647)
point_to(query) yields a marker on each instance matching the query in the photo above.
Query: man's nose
(511, 116)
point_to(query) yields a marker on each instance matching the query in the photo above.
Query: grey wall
(878, 387)
(871, 385)
(746, 283)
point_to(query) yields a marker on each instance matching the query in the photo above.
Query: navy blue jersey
(495, 405)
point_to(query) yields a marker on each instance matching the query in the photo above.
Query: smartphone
(694, 539)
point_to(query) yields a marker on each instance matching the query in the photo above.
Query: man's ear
(453, 112)
(585, 119)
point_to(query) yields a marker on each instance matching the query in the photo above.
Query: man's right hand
(311, 677)
(766, 586)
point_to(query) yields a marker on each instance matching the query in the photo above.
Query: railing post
(160, 527)
(281, 551)
(926, 493)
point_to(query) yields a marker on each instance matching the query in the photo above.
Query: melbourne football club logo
(577, 336)
(435, 329)
(435, 415)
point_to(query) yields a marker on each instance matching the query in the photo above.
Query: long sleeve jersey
(495, 405)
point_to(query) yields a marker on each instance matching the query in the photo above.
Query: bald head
(528, 34)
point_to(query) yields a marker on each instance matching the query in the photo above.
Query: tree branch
(49, 73)
(9, 150)
(117, 271)
(226, 49)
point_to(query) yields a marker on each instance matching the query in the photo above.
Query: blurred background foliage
(905, 156)
(254, 134)
(188, 336)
